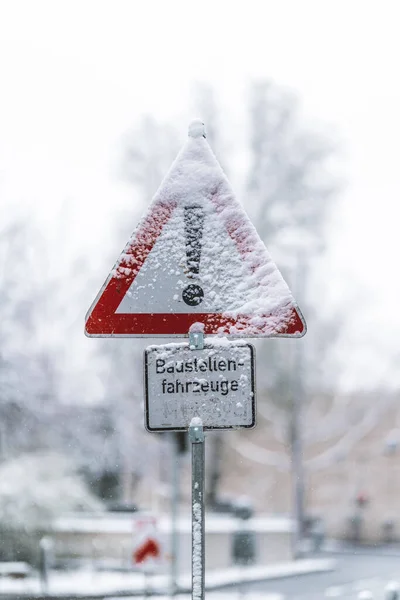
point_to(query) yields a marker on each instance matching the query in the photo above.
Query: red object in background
(150, 549)
(362, 499)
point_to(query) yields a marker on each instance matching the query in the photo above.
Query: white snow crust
(197, 554)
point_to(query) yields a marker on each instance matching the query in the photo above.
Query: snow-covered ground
(87, 581)
(236, 595)
(121, 523)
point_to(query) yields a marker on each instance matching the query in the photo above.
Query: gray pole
(196, 437)
(297, 452)
(46, 547)
(297, 422)
(174, 516)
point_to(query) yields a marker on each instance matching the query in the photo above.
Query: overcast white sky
(75, 74)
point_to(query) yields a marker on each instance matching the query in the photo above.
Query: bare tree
(290, 192)
(28, 373)
(148, 151)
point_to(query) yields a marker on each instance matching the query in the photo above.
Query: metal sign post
(175, 497)
(196, 437)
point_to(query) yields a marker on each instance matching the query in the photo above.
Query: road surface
(356, 571)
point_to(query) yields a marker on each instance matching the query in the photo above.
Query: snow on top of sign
(196, 328)
(235, 270)
(212, 345)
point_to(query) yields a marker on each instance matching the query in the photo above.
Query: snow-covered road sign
(215, 384)
(195, 257)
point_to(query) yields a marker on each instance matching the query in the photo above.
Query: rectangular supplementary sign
(216, 384)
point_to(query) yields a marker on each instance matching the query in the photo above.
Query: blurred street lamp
(392, 442)
(46, 559)
(391, 446)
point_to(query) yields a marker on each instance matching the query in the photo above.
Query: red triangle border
(102, 319)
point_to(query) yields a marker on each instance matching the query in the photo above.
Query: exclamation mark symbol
(194, 219)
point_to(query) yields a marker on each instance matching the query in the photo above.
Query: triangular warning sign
(195, 257)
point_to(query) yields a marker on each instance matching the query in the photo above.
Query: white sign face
(216, 384)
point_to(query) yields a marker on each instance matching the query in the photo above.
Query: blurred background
(300, 102)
